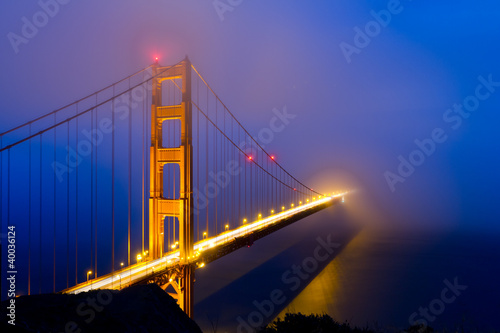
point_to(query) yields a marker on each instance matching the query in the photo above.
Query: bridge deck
(206, 250)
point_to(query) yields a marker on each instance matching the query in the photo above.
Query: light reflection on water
(382, 277)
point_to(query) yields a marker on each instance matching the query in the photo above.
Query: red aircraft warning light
(272, 157)
(250, 158)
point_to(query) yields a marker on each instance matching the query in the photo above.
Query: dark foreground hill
(143, 308)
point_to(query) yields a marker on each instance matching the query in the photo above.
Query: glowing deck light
(272, 211)
(142, 269)
(260, 215)
(173, 246)
(282, 207)
(139, 257)
(307, 200)
(292, 205)
(201, 265)
(227, 227)
(88, 273)
(170, 280)
(121, 264)
(300, 202)
(244, 220)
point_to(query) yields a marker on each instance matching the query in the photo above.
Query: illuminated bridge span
(74, 185)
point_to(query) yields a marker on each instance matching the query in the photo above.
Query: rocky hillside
(143, 308)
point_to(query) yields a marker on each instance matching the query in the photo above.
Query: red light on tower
(272, 157)
(294, 189)
(250, 158)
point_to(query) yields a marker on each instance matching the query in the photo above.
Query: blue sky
(353, 119)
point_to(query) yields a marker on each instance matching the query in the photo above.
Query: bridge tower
(159, 206)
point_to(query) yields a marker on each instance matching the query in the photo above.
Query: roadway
(126, 276)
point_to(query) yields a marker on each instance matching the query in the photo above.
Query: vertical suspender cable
(91, 219)
(215, 169)
(245, 180)
(239, 178)
(76, 199)
(29, 217)
(8, 188)
(197, 161)
(55, 210)
(206, 166)
(172, 170)
(129, 170)
(223, 156)
(142, 163)
(266, 191)
(233, 194)
(261, 184)
(113, 182)
(251, 189)
(95, 195)
(67, 211)
(41, 208)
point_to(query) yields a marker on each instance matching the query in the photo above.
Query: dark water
(376, 277)
(384, 277)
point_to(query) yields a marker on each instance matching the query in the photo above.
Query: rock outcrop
(142, 308)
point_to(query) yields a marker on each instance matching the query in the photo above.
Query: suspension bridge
(143, 181)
